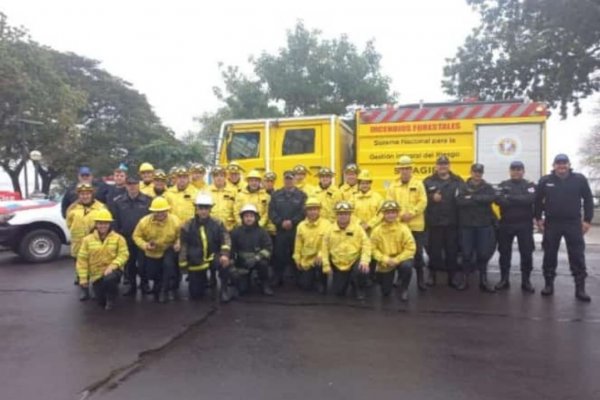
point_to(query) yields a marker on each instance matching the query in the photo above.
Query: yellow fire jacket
(412, 199)
(327, 198)
(392, 241)
(224, 200)
(366, 208)
(237, 187)
(80, 221)
(260, 199)
(182, 202)
(163, 234)
(346, 192)
(343, 247)
(96, 255)
(199, 184)
(309, 242)
(147, 189)
(308, 189)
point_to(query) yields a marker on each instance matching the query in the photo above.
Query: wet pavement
(441, 345)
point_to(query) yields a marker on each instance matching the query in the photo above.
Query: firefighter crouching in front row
(307, 248)
(157, 234)
(205, 245)
(251, 248)
(346, 253)
(100, 260)
(393, 249)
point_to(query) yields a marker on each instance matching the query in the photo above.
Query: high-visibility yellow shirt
(392, 241)
(346, 192)
(412, 198)
(260, 199)
(307, 188)
(80, 221)
(343, 247)
(163, 234)
(237, 187)
(327, 198)
(182, 202)
(96, 255)
(366, 208)
(224, 201)
(309, 242)
(199, 184)
(147, 189)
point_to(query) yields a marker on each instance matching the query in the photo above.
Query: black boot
(421, 280)
(431, 278)
(484, 286)
(266, 289)
(404, 290)
(580, 293)
(109, 304)
(526, 285)
(225, 295)
(462, 282)
(548, 289)
(145, 287)
(504, 280)
(131, 292)
(85, 293)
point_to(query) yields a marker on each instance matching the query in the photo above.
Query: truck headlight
(4, 218)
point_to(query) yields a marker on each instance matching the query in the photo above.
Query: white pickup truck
(34, 229)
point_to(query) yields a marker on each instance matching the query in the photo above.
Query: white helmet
(249, 208)
(203, 199)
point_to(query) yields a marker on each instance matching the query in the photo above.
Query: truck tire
(40, 245)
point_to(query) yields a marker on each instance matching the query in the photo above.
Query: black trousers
(443, 248)
(307, 280)
(478, 246)
(242, 276)
(524, 235)
(343, 279)
(571, 231)
(163, 271)
(386, 279)
(135, 264)
(419, 238)
(107, 287)
(198, 279)
(283, 251)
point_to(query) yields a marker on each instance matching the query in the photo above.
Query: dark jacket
(287, 204)
(560, 199)
(112, 193)
(251, 241)
(70, 196)
(127, 212)
(444, 213)
(200, 241)
(475, 204)
(516, 198)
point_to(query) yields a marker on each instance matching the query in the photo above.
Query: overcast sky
(169, 50)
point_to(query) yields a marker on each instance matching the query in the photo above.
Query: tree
(546, 50)
(590, 149)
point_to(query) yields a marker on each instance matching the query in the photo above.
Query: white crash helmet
(203, 199)
(249, 208)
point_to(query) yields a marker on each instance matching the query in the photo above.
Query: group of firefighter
(152, 229)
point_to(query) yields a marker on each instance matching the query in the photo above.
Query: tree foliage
(590, 148)
(546, 50)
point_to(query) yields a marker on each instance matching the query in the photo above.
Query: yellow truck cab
(491, 133)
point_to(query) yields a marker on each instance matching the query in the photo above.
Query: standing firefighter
(253, 193)
(350, 185)
(197, 174)
(286, 210)
(558, 206)
(300, 172)
(159, 183)
(515, 197)
(223, 198)
(181, 196)
(205, 246)
(234, 176)
(366, 203)
(326, 193)
(157, 235)
(409, 193)
(251, 248)
(441, 216)
(308, 246)
(269, 182)
(393, 249)
(100, 261)
(346, 253)
(146, 172)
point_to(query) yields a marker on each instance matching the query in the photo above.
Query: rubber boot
(484, 286)
(580, 293)
(431, 278)
(109, 304)
(84, 293)
(145, 287)
(225, 295)
(504, 280)
(266, 289)
(404, 290)
(526, 285)
(548, 289)
(131, 292)
(421, 280)
(463, 281)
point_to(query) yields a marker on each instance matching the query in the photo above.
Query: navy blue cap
(85, 171)
(561, 158)
(132, 180)
(477, 168)
(288, 175)
(443, 159)
(517, 165)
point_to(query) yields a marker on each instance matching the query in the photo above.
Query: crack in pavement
(119, 375)
(40, 291)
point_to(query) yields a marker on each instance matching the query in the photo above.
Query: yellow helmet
(325, 172)
(270, 176)
(389, 205)
(217, 169)
(159, 175)
(312, 202)
(365, 176)
(234, 167)
(84, 187)
(404, 162)
(343, 207)
(103, 216)
(352, 168)
(146, 167)
(254, 174)
(197, 168)
(159, 204)
(300, 169)
(181, 171)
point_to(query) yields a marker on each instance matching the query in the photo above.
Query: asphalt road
(441, 345)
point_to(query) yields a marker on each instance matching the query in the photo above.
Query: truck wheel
(40, 245)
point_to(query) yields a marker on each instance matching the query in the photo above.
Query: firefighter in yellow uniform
(146, 172)
(253, 194)
(300, 172)
(160, 183)
(79, 215)
(197, 175)
(100, 261)
(181, 197)
(346, 253)
(409, 193)
(172, 176)
(366, 203)
(326, 193)
(269, 182)
(234, 176)
(350, 185)
(157, 234)
(308, 247)
(393, 250)
(223, 197)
